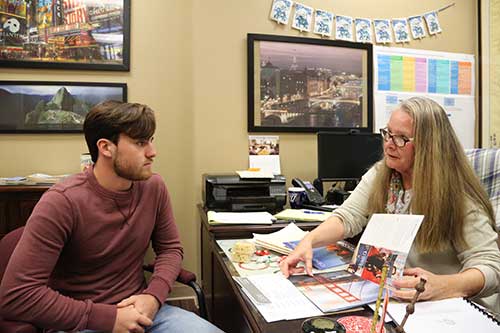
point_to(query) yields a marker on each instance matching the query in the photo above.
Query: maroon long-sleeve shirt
(82, 252)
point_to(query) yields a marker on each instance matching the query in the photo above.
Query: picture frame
(300, 84)
(52, 107)
(65, 34)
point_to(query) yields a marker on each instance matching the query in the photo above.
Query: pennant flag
(432, 23)
(362, 27)
(401, 31)
(417, 26)
(363, 30)
(323, 22)
(302, 18)
(383, 32)
(280, 11)
(343, 28)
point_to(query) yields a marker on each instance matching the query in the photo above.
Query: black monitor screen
(347, 156)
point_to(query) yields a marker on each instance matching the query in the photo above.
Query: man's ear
(106, 147)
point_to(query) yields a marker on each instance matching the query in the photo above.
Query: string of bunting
(362, 27)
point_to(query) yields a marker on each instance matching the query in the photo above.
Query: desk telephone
(313, 197)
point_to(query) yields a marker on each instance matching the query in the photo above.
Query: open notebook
(454, 315)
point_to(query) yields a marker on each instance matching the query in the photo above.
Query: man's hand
(146, 304)
(129, 320)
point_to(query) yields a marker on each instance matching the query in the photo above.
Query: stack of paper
(268, 264)
(276, 297)
(41, 178)
(34, 179)
(215, 218)
(302, 215)
(247, 174)
(13, 181)
(276, 241)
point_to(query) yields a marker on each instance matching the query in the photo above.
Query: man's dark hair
(109, 119)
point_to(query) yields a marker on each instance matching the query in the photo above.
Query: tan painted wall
(492, 65)
(189, 64)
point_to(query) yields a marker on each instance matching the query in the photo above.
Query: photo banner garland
(385, 31)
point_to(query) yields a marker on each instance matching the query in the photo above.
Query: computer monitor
(347, 156)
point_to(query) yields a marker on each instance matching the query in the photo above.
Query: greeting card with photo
(264, 153)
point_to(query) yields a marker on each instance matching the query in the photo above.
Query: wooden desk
(16, 204)
(234, 312)
(214, 285)
(228, 307)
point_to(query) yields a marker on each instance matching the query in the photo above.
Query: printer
(229, 192)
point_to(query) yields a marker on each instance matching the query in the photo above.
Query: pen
(313, 212)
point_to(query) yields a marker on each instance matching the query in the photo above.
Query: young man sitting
(78, 264)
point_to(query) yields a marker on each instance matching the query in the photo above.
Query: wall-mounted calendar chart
(447, 78)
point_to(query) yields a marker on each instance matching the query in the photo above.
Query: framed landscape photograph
(65, 34)
(308, 85)
(52, 107)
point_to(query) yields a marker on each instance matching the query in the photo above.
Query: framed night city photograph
(308, 85)
(52, 107)
(65, 34)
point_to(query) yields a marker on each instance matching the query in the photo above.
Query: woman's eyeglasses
(399, 140)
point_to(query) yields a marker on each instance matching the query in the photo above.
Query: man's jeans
(172, 319)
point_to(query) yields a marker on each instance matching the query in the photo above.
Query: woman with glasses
(423, 171)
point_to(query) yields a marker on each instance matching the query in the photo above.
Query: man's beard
(128, 173)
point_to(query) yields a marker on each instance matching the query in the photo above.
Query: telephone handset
(312, 194)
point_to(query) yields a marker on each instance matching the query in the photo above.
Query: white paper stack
(274, 241)
(247, 174)
(239, 218)
(41, 178)
(277, 298)
(13, 181)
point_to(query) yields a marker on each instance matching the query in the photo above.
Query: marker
(313, 212)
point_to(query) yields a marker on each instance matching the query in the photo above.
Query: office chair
(7, 246)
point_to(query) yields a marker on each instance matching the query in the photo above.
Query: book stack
(276, 241)
(285, 240)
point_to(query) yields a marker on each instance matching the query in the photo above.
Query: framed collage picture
(65, 34)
